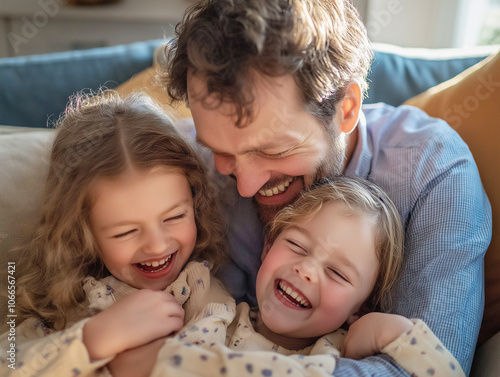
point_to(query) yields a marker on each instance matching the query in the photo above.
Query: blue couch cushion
(398, 74)
(34, 90)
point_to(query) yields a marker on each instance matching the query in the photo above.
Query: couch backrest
(399, 73)
(34, 89)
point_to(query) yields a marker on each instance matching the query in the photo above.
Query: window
(489, 33)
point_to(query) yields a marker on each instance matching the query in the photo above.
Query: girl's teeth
(289, 291)
(157, 263)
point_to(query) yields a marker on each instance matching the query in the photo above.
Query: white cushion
(23, 167)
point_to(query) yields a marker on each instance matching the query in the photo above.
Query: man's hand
(138, 319)
(372, 332)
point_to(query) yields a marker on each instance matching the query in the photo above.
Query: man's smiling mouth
(277, 189)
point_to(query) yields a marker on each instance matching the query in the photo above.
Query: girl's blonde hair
(365, 199)
(101, 136)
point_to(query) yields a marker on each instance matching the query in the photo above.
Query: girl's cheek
(192, 232)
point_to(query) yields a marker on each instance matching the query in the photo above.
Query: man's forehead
(252, 143)
(277, 119)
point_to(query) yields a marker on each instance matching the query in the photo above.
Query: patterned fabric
(422, 354)
(198, 350)
(429, 172)
(42, 352)
(200, 347)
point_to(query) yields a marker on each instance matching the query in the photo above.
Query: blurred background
(30, 27)
(432, 23)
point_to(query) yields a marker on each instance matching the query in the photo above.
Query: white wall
(362, 6)
(4, 51)
(424, 23)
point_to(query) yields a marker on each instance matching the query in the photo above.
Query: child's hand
(372, 332)
(139, 318)
(137, 362)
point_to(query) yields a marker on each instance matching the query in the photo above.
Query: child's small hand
(372, 332)
(136, 362)
(139, 318)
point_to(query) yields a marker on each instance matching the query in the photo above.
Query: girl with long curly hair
(129, 235)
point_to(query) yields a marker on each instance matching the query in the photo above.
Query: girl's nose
(306, 271)
(157, 242)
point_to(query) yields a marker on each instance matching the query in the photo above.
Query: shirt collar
(360, 163)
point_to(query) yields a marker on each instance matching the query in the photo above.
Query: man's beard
(329, 167)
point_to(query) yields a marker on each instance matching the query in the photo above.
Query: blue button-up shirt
(430, 174)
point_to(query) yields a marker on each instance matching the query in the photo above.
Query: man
(275, 88)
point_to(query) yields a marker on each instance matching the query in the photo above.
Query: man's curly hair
(322, 43)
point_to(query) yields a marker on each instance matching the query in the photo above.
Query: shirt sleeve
(448, 229)
(421, 353)
(59, 353)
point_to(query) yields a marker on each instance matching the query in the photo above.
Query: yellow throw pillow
(145, 81)
(470, 103)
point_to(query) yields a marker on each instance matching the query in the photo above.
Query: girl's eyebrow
(130, 222)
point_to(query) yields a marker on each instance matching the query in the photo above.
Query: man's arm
(430, 174)
(448, 231)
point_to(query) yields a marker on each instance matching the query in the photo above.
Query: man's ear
(265, 250)
(350, 106)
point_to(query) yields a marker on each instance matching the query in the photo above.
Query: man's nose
(249, 173)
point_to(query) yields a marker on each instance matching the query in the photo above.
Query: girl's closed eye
(296, 247)
(336, 275)
(177, 217)
(121, 235)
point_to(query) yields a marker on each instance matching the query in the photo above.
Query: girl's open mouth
(158, 268)
(155, 266)
(291, 295)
